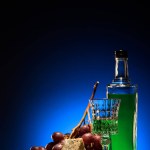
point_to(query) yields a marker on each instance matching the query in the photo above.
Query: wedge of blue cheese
(73, 144)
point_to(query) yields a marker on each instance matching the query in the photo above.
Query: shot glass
(105, 118)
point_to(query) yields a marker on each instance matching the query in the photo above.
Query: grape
(97, 142)
(37, 148)
(57, 137)
(62, 142)
(50, 145)
(87, 138)
(97, 139)
(57, 146)
(84, 129)
(89, 147)
(96, 147)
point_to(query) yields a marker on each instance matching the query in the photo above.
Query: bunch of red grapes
(91, 141)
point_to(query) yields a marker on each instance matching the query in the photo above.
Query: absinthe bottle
(126, 138)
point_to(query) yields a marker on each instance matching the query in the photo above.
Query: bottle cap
(121, 54)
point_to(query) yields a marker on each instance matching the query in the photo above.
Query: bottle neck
(121, 71)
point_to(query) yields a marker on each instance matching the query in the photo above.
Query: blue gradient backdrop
(52, 60)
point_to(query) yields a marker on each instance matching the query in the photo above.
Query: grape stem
(76, 129)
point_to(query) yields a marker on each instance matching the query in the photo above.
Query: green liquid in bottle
(125, 139)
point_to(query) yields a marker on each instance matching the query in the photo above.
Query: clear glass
(105, 119)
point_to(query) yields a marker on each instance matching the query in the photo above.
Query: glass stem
(106, 142)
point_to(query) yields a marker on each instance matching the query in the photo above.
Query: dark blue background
(51, 59)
